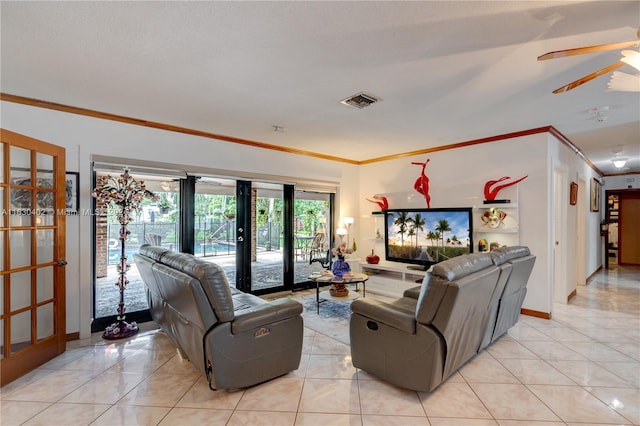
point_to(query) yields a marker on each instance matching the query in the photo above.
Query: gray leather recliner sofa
(233, 338)
(463, 304)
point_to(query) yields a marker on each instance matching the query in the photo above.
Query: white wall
(457, 178)
(621, 182)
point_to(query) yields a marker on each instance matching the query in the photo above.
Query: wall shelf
(507, 233)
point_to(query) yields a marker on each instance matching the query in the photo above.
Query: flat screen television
(423, 237)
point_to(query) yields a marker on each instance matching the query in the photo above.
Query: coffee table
(329, 279)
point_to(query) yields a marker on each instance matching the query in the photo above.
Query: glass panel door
(312, 224)
(267, 237)
(32, 250)
(157, 223)
(215, 217)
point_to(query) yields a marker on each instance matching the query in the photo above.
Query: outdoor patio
(266, 273)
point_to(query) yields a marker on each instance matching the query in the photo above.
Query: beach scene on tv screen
(427, 236)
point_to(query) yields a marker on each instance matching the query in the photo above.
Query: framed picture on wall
(595, 195)
(72, 197)
(573, 194)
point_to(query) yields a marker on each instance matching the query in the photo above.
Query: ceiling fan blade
(588, 49)
(589, 77)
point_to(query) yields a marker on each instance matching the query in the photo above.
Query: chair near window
(316, 246)
(325, 261)
(298, 248)
(153, 239)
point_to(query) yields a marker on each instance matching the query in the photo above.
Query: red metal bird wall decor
(422, 183)
(490, 194)
(380, 201)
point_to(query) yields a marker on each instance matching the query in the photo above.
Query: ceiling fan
(631, 57)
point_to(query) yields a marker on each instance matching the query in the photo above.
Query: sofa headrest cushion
(212, 278)
(462, 266)
(152, 252)
(505, 254)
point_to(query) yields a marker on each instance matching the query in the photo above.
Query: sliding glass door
(157, 223)
(267, 237)
(214, 224)
(312, 225)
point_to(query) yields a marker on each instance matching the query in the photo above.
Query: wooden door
(629, 231)
(32, 251)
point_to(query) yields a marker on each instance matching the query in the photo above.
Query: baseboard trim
(537, 314)
(73, 336)
(573, 294)
(590, 277)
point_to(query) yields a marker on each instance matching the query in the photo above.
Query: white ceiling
(447, 72)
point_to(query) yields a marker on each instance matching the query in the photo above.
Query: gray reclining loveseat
(463, 305)
(234, 339)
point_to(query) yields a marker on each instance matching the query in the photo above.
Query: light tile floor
(580, 368)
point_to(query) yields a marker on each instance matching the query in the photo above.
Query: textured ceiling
(447, 72)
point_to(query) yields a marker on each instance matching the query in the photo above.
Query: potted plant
(164, 205)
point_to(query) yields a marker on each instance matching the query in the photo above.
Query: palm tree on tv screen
(401, 221)
(417, 223)
(443, 226)
(434, 236)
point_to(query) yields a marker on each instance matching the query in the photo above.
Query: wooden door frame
(621, 194)
(39, 351)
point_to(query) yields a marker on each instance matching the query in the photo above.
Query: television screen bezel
(425, 264)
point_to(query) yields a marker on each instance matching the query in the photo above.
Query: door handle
(240, 239)
(62, 262)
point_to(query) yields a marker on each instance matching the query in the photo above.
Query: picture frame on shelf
(72, 196)
(595, 195)
(573, 194)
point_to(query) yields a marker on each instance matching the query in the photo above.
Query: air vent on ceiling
(360, 100)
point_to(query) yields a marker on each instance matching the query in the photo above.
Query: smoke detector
(360, 100)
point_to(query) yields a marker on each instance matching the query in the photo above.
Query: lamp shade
(348, 221)
(341, 231)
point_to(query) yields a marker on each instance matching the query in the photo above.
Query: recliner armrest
(391, 315)
(265, 314)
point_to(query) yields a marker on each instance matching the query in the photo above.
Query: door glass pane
(20, 290)
(156, 223)
(44, 170)
(1, 339)
(20, 331)
(215, 223)
(1, 162)
(44, 285)
(45, 208)
(20, 248)
(21, 199)
(45, 321)
(20, 165)
(45, 245)
(312, 236)
(2, 234)
(1, 296)
(267, 269)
